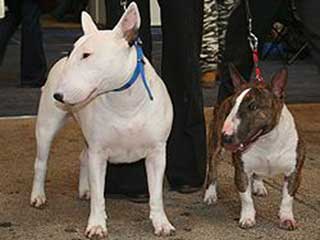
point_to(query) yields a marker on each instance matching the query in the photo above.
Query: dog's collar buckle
(139, 71)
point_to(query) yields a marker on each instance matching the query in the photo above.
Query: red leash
(253, 42)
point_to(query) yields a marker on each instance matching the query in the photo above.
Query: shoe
(208, 79)
(132, 197)
(137, 198)
(186, 189)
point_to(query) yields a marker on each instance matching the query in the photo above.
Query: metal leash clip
(124, 3)
(253, 40)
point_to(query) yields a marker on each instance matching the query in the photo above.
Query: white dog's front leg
(50, 120)
(97, 220)
(155, 165)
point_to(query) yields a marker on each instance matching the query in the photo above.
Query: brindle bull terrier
(257, 127)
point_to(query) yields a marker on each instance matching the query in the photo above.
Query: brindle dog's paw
(210, 196)
(259, 189)
(247, 223)
(288, 224)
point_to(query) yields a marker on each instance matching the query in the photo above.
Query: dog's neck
(279, 135)
(131, 99)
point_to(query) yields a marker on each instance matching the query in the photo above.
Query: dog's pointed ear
(88, 25)
(279, 82)
(129, 24)
(237, 79)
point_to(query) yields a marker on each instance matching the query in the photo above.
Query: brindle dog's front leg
(243, 184)
(214, 151)
(290, 187)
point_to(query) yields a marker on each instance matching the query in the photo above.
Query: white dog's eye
(85, 55)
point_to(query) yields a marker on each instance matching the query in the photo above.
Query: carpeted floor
(65, 216)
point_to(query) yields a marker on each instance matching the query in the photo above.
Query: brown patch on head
(258, 113)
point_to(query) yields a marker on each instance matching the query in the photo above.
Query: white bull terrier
(123, 117)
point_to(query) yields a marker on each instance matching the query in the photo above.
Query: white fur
(275, 152)
(119, 127)
(232, 122)
(210, 196)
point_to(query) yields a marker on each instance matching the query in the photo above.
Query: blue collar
(139, 70)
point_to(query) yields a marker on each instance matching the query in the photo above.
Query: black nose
(227, 139)
(58, 97)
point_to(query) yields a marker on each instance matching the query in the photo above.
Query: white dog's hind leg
(50, 119)
(84, 189)
(155, 166)
(97, 171)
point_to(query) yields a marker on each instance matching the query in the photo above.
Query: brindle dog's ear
(237, 79)
(279, 82)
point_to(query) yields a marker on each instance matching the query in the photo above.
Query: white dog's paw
(247, 219)
(38, 201)
(259, 189)
(210, 196)
(97, 231)
(84, 195)
(97, 226)
(162, 226)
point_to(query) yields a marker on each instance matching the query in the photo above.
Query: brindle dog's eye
(252, 106)
(85, 55)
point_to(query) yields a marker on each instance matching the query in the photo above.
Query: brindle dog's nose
(227, 139)
(58, 97)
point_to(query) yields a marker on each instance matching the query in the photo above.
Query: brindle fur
(241, 179)
(294, 179)
(215, 141)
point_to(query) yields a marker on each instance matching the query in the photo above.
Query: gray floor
(304, 82)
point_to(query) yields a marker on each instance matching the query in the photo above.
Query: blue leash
(139, 70)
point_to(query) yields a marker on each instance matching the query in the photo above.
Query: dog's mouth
(84, 101)
(241, 147)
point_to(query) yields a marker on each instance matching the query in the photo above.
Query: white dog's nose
(58, 97)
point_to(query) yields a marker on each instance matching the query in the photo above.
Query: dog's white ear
(129, 24)
(237, 79)
(88, 25)
(279, 82)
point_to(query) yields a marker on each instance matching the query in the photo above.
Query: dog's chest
(276, 152)
(126, 138)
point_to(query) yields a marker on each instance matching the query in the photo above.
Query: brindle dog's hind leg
(290, 187)
(214, 151)
(258, 187)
